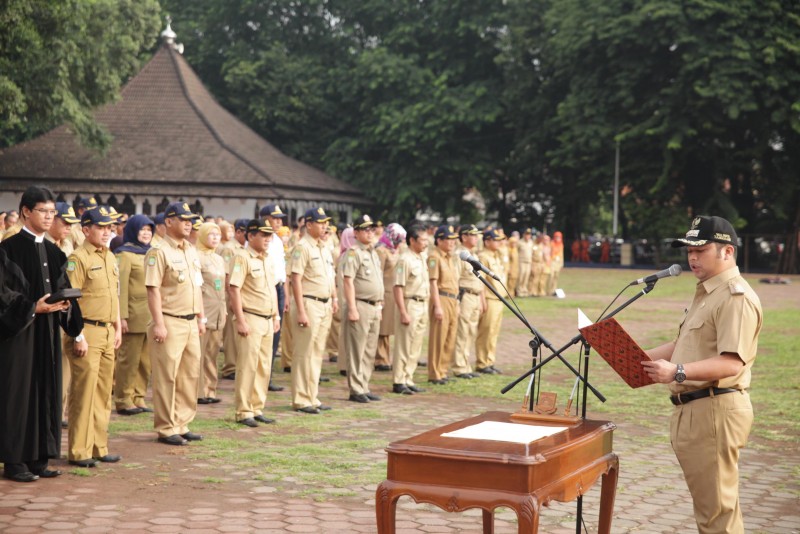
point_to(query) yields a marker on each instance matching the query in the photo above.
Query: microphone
(674, 270)
(476, 264)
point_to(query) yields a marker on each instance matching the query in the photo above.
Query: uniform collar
(362, 246)
(37, 238)
(255, 254)
(716, 281)
(91, 248)
(313, 241)
(175, 244)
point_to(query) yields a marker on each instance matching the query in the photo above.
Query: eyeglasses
(51, 213)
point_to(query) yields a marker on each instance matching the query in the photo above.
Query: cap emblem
(696, 222)
(450, 229)
(186, 206)
(103, 211)
(320, 211)
(724, 237)
(692, 233)
(277, 209)
(367, 219)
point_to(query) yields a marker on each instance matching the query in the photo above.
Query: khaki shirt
(228, 251)
(466, 278)
(494, 261)
(213, 289)
(254, 275)
(76, 235)
(132, 292)
(725, 316)
(362, 264)
(157, 241)
(537, 253)
(525, 249)
(176, 270)
(444, 269)
(411, 275)
(308, 260)
(94, 270)
(65, 246)
(388, 260)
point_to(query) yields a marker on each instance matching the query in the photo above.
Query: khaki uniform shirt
(157, 241)
(76, 235)
(176, 270)
(411, 275)
(228, 251)
(494, 261)
(132, 292)
(94, 270)
(444, 269)
(65, 246)
(254, 275)
(725, 316)
(213, 289)
(362, 264)
(513, 256)
(308, 260)
(466, 278)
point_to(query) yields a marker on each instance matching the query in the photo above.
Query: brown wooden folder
(622, 353)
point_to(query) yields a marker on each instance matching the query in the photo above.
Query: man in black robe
(31, 268)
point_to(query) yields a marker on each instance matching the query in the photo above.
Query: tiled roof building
(172, 141)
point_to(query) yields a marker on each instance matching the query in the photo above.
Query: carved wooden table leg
(385, 507)
(528, 515)
(608, 492)
(488, 522)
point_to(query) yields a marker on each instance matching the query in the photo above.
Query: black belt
(446, 294)
(97, 323)
(186, 317)
(684, 398)
(259, 315)
(370, 302)
(279, 284)
(418, 299)
(470, 291)
(318, 299)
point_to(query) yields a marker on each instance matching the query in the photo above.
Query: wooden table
(456, 474)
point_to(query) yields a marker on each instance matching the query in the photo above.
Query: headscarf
(347, 240)
(223, 229)
(130, 236)
(202, 236)
(393, 235)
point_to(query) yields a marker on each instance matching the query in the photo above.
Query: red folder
(622, 353)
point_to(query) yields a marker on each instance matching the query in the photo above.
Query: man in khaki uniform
(443, 271)
(314, 303)
(84, 205)
(708, 370)
(411, 294)
(161, 231)
(473, 304)
(363, 300)
(93, 268)
(277, 254)
(229, 250)
(513, 263)
(173, 278)
(58, 234)
(489, 326)
(254, 301)
(538, 279)
(525, 252)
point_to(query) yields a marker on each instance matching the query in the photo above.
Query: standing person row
(277, 254)
(387, 247)
(489, 326)
(472, 304)
(231, 248)
(212, 266)
(443, 272)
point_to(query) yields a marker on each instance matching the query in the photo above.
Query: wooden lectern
(456, 474)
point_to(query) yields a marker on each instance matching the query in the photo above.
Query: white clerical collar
(37, 238)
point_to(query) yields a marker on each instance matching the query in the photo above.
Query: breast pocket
(692, 332)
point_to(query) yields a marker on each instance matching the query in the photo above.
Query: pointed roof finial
(169, 36)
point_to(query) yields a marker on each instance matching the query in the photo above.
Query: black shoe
(437, 382)
(213, 400)
(48, 473)
(25, 476)
(145, 409)
(466, 376)
(191, 436)
(109, 458)
(89, 462)
(64, 424)
(475, 375)
(273, 387)
(174, 439)
(308, 409)
(415, 389)
(262, 419)
(372, 397)
(486, 371)
(422, 364)
(358, 398)
(401, 389)
(203, 400)
(229, 376)
(495, 370)
(248, 421)
(324, 407)
(333, 359)
(324, 379)
(343, 372)
(383, 367)
(287, 369)
(130, 411)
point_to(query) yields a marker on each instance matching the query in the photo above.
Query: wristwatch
(79, 338)
(680, 374)
(204, 320)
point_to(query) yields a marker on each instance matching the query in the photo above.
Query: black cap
(316, 215)
(706, 229)
(495, 234)
(88, 203)
(445, 232)
(468, 229)
(240, 224)
(272, 210)
(99, 216)
(180, 210)
(363, 222)
(257, 225)
(66, 213)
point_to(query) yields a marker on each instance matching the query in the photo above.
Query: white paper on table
(511, 432)
(583, 321)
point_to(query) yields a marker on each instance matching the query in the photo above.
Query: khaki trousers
(308, 344)
(706, 436)
(512, 283)
(361, 338)
(408, 342)
(253, 366)
(442, 339)
(176, 370)
(90, 396)
(383, 349)
(552, 282)
(537, 281)
(332, 343)
(131, 372)
(210, 343)
(524, 279)
(488, 332)
(469, 313)
(229, 347)
(66, 356)
(287, 339)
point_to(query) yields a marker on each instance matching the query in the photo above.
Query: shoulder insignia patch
(151, 260)
(736, 288)
(296, 253)
(237, 267)
(431, 263)
(399, 268)
(71, 265)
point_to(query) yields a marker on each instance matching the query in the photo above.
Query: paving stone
(56, 525)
